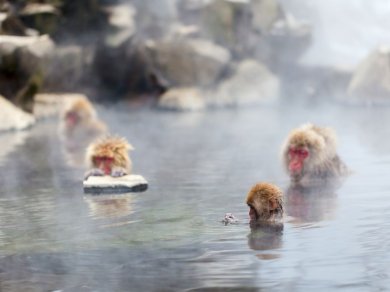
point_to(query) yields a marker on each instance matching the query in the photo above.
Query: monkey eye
(299, 152)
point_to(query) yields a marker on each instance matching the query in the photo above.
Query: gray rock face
(182, 99)
(265, 14)
(65, 67)
(122, 21)
(12, 118)
(189, 62)
(251, 84)
(370, 82)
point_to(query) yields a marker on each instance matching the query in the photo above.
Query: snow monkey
(79, 120)
(109, 156)
(310, 153)
(79, 126)
(265, 202)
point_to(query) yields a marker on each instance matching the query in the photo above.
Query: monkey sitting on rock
(109, 156)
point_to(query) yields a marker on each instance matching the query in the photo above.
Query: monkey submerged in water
(109, 156)
(310, 153)
(265, 202)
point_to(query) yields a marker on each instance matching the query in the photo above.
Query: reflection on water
(109, 206)
(311, 204)
(266, 236)
(199, 167)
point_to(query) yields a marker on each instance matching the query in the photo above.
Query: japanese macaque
(79, 126)
(309, 155)
(79, 120)
(109, 156)
(265, 202)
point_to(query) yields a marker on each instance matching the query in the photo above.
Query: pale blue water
(199, 166)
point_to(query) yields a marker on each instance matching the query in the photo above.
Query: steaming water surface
(199, 166)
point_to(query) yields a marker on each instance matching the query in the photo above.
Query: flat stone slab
(115, 185)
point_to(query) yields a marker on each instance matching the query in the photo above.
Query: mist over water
(199, 166)
(344, 32)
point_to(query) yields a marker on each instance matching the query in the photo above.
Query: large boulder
(182, 99)
(65, 67)
(289, 38)
(155, 17)
(43, 17)
(22, 67)
(189, 62)
(252, 83)
(265, 13)
(121, 19)
(13, 118)
(370, 82)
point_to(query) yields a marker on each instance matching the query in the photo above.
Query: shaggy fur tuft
(323, 161)
(113, 147)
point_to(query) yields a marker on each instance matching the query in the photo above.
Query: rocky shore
(182, 54)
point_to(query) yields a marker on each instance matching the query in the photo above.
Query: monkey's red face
(71, 119)
(104, 163)
(297, 156)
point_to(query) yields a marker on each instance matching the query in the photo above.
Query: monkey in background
(109, 156)
(79, 120)
(309, 155)
(265, 203)
(79, 126)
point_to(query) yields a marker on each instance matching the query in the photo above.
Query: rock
(22, 67)
(65, 68)
(43, 17)
(289, 38)
(182, 99)
(265, 13)
(227, 23)
(121, 18)
(125, 69)
(155, 17)
(370, 82)
(12, 118)
(108, 184)
(189, 62)
(10, 24)
(47, 105)
(252, 83)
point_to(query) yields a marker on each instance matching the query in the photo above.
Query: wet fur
(113, 147)
(260, 197)
(323, 162)
(88, 125)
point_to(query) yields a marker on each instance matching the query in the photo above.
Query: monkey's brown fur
(267, 201)
(323, 161)
(112, 147)
(88, 124)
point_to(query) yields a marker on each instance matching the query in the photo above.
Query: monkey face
(265, 210)
(104, 163)
(72, 119)
(296, 160)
